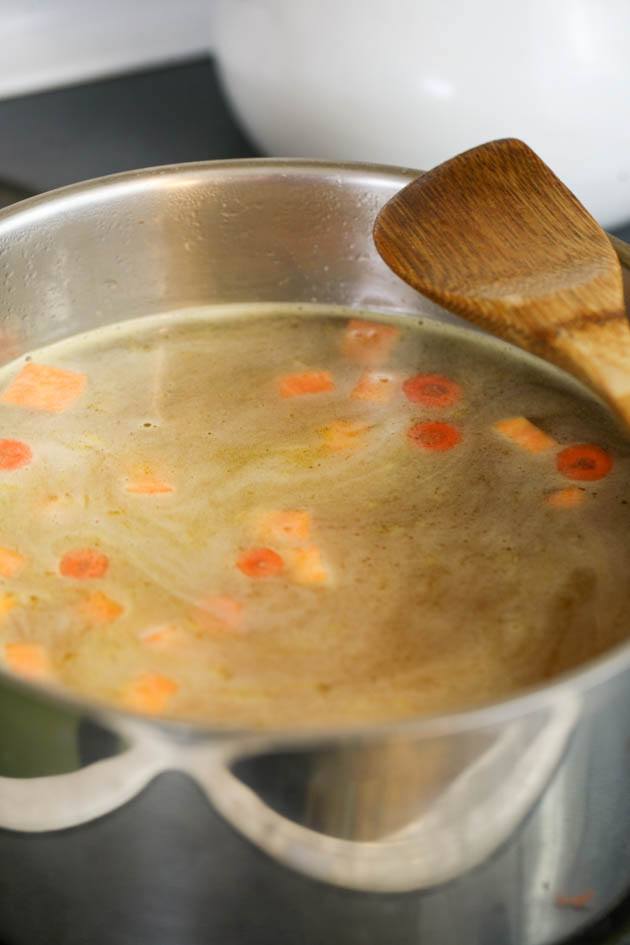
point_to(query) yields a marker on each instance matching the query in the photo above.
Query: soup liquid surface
(293, 519)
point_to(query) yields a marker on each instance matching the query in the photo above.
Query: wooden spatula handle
(599, 354)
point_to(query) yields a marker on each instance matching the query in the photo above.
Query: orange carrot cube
(84, 564)
(166, 635)
(308, 567)
(369, 343)
(522, 432)
(374, 386)
(219, 613)
(147, 483)
(293, 525)
(98, 608)
(46, 388)
(343, 435)
(14, 454)
(567, 498)
(150, 693)
(27, 659)
(308, 382)
(149, 486)
(11, 562)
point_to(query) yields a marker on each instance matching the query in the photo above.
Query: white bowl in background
(412, 82)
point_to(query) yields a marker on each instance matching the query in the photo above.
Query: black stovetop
(161, 116)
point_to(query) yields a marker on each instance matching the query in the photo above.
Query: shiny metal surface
(115, 829)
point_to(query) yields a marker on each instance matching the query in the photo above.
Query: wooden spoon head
(493, 235)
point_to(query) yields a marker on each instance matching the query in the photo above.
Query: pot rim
(533, 699)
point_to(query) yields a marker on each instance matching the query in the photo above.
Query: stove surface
(613, 930)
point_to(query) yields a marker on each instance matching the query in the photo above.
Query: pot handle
(56, 802)
(467, 820)
(474, 811)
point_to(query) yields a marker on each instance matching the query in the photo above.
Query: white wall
(48, 43)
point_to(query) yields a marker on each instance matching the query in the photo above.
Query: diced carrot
(14, 454)
(98, 608)
(369, 343)
(42, 387)
(434, 436)
(150, 693)
(432, 390)
(167, 634)
(7, 603)
(341, 435)
(308, 382)
(293, 525)
(27, 659)
(308, 567)
(84, 564)
(522, 432)
(11, 562)
(148, 483)
(375, 386)
(585, 462)
(260, 563)
(567, 498)
(579, 901)
(220, 612)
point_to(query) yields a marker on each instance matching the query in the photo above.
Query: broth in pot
(281, 516)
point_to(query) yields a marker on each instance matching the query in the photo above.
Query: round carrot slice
(585, 462)
(84, 564)
(260, 563)
(434, 436)
(14, 453)
(432, 390)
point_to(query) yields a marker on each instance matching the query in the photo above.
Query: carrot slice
(14, 454)
(522, 432)
(369, 343)
(165, 635)
(585, 462)
(307, 566)
(150, 693)
(293, 525)
(434, 436)
(375, 386)
(309, 382)
(148, 484)
(221, 612)
(99, 608)
(27, 659)
(432, 390)
(84, 564)
(343, 435)
(41, 387)
(260, 563)
(568, 498)
(11, 562)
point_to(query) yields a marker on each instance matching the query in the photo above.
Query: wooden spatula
(495, 237)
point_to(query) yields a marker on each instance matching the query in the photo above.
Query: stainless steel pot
(119, 830)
